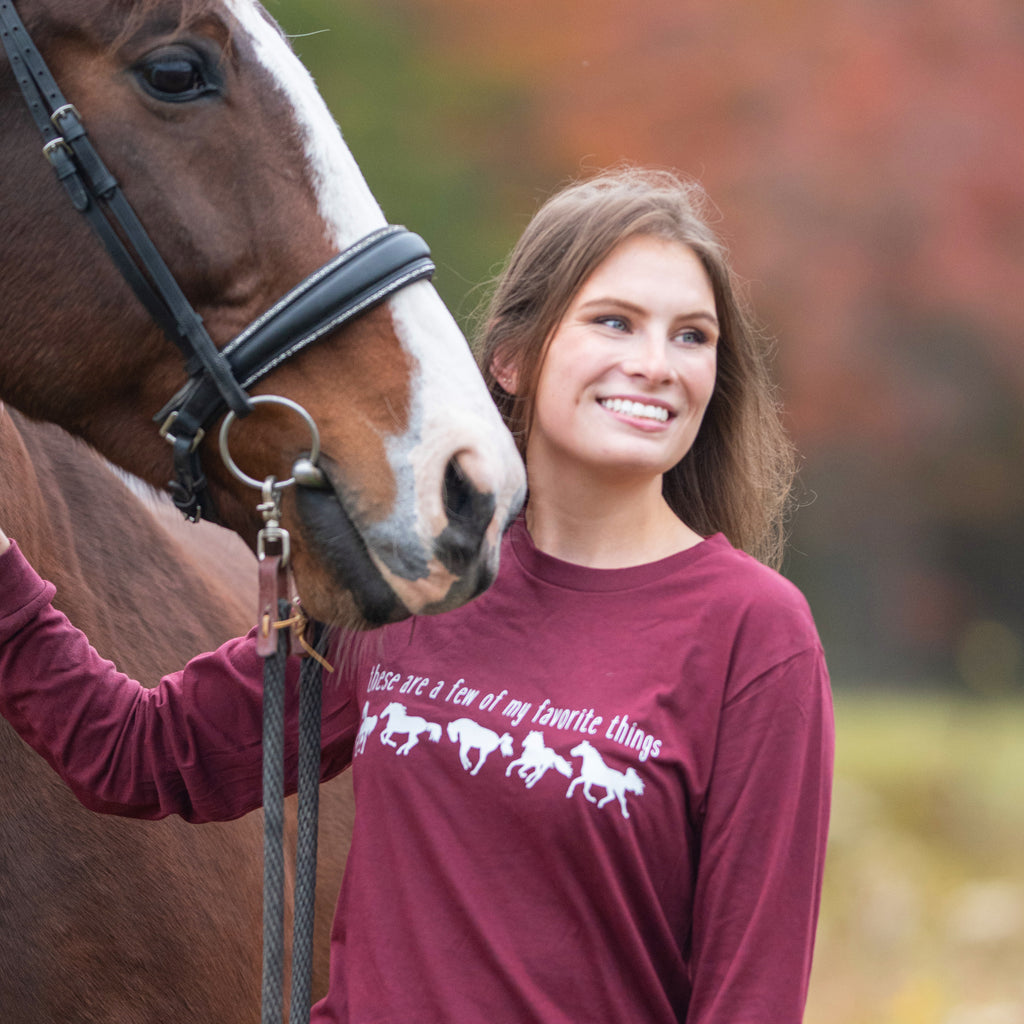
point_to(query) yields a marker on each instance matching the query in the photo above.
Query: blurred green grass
(923, 907)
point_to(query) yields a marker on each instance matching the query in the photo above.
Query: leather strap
(95, 192)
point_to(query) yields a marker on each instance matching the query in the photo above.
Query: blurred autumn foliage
(867, 160)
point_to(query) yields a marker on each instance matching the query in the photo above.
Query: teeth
(636, 409)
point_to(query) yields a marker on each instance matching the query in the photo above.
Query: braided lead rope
(310, 702)
(273, 826)
(281, 629)
(289, 637)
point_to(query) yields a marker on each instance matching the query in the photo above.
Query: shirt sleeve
(762, 848)
(191, 745)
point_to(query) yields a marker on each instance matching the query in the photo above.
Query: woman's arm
(763, 848)
(191, 745)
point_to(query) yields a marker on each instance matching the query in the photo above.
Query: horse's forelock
(132, 15)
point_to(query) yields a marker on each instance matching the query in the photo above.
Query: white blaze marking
(346, 203)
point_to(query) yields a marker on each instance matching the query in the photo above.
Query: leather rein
(352, 282)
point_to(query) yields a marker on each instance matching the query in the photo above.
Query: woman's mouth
(636, 410)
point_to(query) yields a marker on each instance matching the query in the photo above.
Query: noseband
(351, 283)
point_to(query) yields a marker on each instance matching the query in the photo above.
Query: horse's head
(237, 171)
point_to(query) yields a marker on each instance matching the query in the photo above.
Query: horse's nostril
(457, 493)
(469, 514)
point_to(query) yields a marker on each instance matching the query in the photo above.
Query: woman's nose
(649, 358)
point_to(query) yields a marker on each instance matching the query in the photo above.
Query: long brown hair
(738, 475)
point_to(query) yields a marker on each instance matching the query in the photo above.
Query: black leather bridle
(351, 283)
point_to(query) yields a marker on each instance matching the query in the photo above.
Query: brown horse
(236, 169)
(105, 920)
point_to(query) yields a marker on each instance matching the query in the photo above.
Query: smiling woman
(680, 838)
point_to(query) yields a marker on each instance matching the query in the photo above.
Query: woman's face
(630, 369)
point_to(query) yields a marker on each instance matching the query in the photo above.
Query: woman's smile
(645, 413)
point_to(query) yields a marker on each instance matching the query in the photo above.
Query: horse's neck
(34, 513)
(124, 572)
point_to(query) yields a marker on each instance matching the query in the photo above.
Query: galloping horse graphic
(472, 736)
(400, 721)
(536, 759)
(596, 773)
(366, 727)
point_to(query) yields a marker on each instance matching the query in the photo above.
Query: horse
(471, 736)
(536, 759)
(214, 135)
(596, 773)
(367, 724)
(105, 920)
(400, 721)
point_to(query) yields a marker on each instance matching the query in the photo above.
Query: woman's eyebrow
(631, 307)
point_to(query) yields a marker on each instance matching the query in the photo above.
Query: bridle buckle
(56, 149)
(65, 110)
(165, 432)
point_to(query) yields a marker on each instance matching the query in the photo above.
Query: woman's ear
(505, 374)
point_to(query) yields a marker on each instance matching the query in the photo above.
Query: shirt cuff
(23, 593)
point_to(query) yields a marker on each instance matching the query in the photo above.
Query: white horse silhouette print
(400, 721)
(366, 727)
(536, 759)
(471, 736)
(596, 773)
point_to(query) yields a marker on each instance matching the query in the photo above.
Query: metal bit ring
(314, 448)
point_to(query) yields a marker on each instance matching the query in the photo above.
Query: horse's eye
(174, 75)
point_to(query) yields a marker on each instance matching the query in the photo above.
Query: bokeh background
(867, 161)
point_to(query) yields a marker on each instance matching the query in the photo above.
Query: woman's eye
(616, 323)
(691, 336)
(174, 76)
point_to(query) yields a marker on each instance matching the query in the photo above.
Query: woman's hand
(4, 542)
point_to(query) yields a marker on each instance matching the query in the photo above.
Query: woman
(600, 792)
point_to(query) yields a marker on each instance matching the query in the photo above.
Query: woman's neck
(605, 525)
